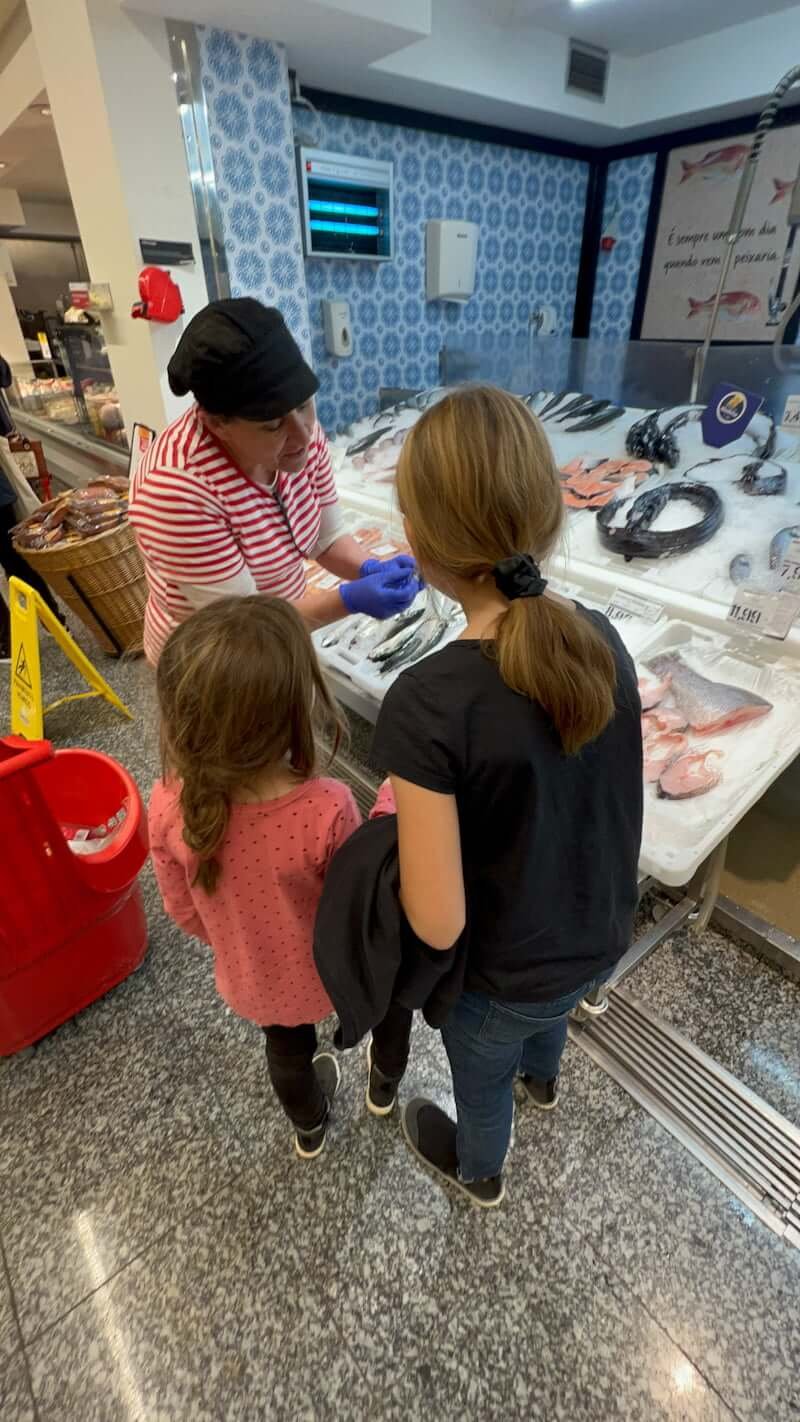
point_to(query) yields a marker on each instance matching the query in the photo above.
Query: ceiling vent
(587, 70)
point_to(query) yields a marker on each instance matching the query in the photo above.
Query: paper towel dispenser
(451, 249)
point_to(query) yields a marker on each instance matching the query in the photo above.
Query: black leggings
(290, 1052)
(15, 566)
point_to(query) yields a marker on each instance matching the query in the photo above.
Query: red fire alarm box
(161, 298)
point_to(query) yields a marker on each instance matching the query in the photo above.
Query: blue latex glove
(373, 565)
(383, 593)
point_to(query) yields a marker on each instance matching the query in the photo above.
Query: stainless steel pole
(734, 232)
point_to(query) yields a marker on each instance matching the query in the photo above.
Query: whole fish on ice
(716, 163)
(733, 304)
(709, 706)
(692, 774)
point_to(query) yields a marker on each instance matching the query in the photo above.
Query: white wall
(136, 183)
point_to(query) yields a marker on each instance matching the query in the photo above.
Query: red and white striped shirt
(200, 521)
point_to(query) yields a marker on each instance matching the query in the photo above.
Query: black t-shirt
(550, 842)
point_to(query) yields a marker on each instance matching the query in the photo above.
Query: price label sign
(791, 413)
(625, 607)
(764, 614)
(789, 568)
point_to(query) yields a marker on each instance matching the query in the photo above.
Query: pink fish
(782, 188)
(652, 692)
(660, 752)
(690, 775)
(664, 718)
(718, 162)
(732, 303)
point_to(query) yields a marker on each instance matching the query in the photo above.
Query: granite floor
(165, 1255)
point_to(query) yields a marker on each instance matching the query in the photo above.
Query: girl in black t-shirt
(516, 762)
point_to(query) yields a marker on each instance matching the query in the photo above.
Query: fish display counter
(663, 534)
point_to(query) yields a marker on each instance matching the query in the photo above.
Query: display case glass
(84, 399)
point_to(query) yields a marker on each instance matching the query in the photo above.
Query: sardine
(396, 633)
(416, 650)
(597, 422)
(387, 649)
(690, 775)
(779, 547)
(709, 706)
(636, 539)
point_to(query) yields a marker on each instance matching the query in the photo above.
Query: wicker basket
(102, 580)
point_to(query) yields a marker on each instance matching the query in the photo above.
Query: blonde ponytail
(553, 655)
(478, 486)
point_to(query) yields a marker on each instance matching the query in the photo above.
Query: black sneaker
(381, 1090)
(432, 1136)
(310, 1144)
(543, 1094)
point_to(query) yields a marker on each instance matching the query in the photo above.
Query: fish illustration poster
(699, 191)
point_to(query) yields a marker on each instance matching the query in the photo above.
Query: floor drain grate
(751, 1148)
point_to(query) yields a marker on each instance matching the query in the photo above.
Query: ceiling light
(3, 165)
(45, 111)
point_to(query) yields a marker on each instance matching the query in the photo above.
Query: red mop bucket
(72, 924)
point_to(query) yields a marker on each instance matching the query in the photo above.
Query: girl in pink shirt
(242, 829)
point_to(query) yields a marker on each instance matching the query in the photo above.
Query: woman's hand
(388, 590)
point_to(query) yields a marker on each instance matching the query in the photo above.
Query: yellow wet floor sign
(27, 706)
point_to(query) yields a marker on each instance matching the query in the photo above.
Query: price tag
(624, 606)
(789, 570)
(764, 614)
(791, 413)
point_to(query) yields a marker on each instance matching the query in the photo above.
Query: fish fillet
(663, 718)
(659, 753)
(690, 775)
(650, 693)
(709, 706)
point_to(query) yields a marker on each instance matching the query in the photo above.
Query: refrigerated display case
(83, 400)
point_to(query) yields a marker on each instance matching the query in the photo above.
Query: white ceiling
(30, 149)
(630, 27)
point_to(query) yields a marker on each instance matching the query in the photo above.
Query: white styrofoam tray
(680, 834)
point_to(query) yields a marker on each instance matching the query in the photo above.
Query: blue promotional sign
(728, 413)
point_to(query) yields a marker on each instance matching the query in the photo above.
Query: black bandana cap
(239, 358)
(519, 576)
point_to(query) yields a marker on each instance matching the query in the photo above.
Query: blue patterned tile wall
(529, 207)
(630, 181)
(246, 85)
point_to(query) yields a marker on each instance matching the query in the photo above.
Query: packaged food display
(75, 515)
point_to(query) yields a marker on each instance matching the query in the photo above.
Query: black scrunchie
(519, 576)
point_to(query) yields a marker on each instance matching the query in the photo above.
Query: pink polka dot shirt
(260, 920)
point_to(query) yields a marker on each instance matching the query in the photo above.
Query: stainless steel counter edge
(69, 453)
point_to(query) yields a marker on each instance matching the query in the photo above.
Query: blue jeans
(488, 1044)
